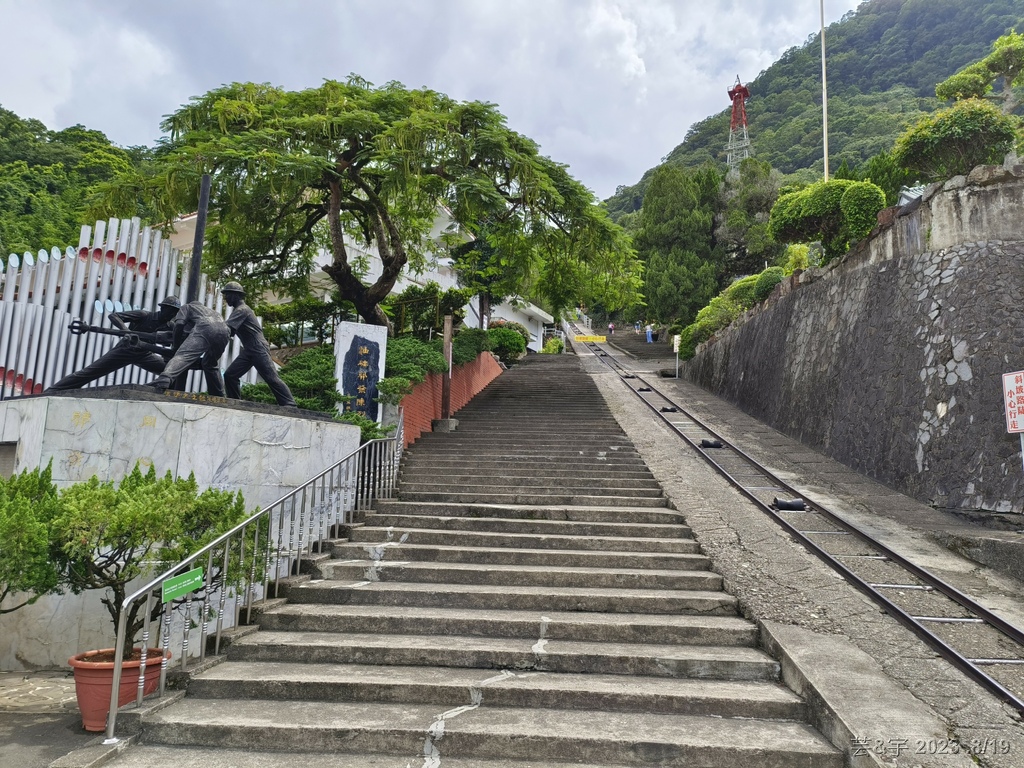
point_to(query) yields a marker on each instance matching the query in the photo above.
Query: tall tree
(675, 239)
(742, 226)
(300, 173)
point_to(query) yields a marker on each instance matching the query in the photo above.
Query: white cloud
(606, 86)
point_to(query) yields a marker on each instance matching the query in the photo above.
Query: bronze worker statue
(203, 335)
(255, 349)
(132, 326)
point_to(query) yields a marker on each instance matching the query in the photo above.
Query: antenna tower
(738, 147)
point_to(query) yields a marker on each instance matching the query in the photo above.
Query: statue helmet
(170, 301)
(233, 287)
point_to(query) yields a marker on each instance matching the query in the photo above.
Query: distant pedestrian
(611, 329)
(650, 333)
(636, 327)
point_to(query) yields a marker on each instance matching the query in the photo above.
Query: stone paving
(49, 691)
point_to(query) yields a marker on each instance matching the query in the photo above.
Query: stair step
(392, 570)
(535, 498)
(445, 686)
(484, 732)
(154, 756)
(540, 540)
(534, 485)
(533, 512)
(659, 629)
(502, 471)
(506, 556)
(522, 654)
(543, 527)
(512, 598)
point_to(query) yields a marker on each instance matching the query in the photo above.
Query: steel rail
(911, 622)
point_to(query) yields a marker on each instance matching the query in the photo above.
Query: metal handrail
(268, 545)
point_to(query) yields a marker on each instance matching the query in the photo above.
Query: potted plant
(104, 536)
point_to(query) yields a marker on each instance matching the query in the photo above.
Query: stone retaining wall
(891, 362)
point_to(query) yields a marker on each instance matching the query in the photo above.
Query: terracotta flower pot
(94, 677)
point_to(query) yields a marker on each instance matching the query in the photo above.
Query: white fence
(119, 265)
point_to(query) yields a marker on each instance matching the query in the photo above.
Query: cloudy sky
(606, 86)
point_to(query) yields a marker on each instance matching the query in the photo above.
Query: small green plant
(506, 343)
(519, 328)
(553, 346)
(391, 389)
(765, 283)
(368, 428)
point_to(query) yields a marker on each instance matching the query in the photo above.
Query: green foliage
(765, 283)
(797, 257)
(553, 346)
(467, 345)
(310, 377)
(519, 328)
(718, 314)
(295, 171)
(818, 213)
(104, 535)
(391, 389)
(1004, 64)
(953, 141)
(46, 178)
(742, 225)
(413, 359)
(421, 310)
(507, 344)
(28, 503)
(883, 171)
(741, 292)
(288, 324)
(675, 241)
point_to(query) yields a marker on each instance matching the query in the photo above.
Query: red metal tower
(738, 148)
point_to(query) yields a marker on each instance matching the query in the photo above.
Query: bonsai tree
(105, 535)
(28, 502)
(952, 141)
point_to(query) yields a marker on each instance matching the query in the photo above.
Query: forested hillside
(884, 61)
(46, 179)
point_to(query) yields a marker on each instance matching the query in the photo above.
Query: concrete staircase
(529, 601)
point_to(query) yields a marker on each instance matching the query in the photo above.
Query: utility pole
(446, 382)
(824, 89)
(195, 267)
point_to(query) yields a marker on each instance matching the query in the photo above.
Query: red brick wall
(423, 404)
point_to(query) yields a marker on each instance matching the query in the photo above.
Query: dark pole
(197, 246)
(446, 382)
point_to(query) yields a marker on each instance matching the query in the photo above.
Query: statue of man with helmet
(124, 353)
(255, 349)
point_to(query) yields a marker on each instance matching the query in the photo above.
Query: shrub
(553, 346)
(506, 343)
(413, 359)
(519, 328)
(766, 282)
(952, 141)
(368, 428)
(310, 377)
(468, 344)
(817, 213)
(718, 314)
(741, 292)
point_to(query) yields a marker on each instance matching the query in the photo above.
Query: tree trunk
(485, 308)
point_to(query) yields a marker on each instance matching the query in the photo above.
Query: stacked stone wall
(891, 362)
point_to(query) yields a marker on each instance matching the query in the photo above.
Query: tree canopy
(302, 175)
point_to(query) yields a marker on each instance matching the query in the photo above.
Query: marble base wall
(264, 456)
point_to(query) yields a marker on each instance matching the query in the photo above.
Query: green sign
(178, 586)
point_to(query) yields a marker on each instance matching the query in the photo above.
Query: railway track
(982, 645)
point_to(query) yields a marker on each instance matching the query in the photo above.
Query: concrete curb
(856, 706)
